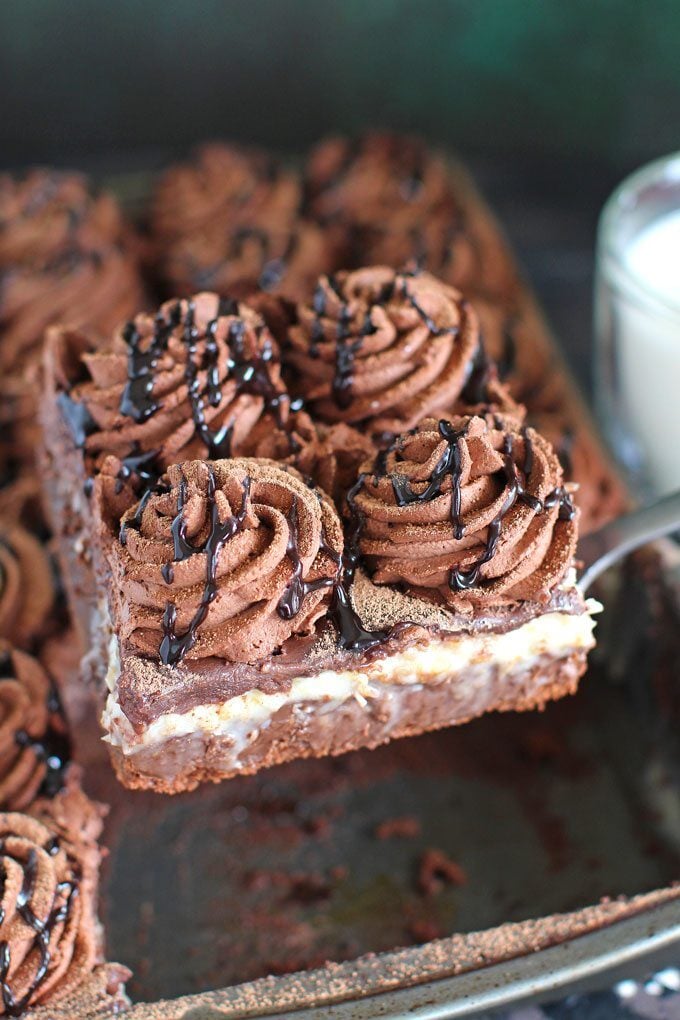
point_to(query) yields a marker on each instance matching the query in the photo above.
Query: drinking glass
(637, 326)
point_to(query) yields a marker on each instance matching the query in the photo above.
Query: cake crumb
(402, 827)
(436, 870)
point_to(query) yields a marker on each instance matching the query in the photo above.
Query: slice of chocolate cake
(241, 613)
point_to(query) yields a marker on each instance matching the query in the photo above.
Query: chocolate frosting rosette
(370, 179)
(399, 200)
(49, 935)
(193, 380)
(21, 499)
(31, 731)
(230, 220)
(200, 379)
(26, 585)
(327, 455)
(65, 254)
(385, 349)
(473, 509)
(227, 558)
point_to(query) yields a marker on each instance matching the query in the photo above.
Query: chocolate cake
(235, 621)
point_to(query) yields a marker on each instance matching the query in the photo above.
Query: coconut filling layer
(465, 659)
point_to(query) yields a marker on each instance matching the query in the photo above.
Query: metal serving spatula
(604, 547)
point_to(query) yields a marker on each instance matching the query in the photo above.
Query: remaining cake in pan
(66, 254)
(26, 586)
(240, 615)
(50, 938)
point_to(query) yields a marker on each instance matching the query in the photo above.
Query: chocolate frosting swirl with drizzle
(231, 220)
(472, 508)
(66, 254)
(383, 348)
(33, 744)
(226, 558)
(26, 586)
(201, 378)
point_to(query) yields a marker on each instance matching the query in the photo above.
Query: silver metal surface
(603, 548)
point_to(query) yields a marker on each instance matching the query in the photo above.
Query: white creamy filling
(241, 718)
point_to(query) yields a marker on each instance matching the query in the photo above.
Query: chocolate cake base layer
(307, 729)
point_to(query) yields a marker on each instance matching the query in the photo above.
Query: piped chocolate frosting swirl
(471, 508)
(230, 220)
(399, 202)
(26, 585)
(49, 937)
(226, 558)
(66, 254)
(201, 378)
(374, 178)
(33, 745)
(386, 349)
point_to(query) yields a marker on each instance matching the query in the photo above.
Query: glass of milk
(637, 325)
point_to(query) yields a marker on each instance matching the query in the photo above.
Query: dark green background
(585, 79)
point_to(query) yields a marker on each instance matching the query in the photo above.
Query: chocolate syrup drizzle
(137, 400)
(346, 349)
(448, 465)
(175, 646)
(476, 388)
(133, 523)
(432, 326)
(59, 914)
(139, 465)
(54, 750)
(291, 601)
(352, 635)
(78, 419)
(217, 444)
(564, 450)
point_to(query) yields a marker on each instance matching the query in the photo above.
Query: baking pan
(482, 864)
